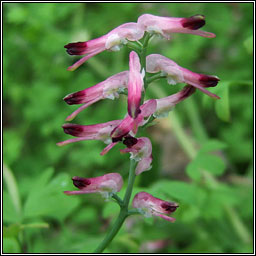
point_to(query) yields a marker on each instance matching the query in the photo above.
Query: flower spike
(150, 205)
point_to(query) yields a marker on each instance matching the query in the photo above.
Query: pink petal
(135, 85)
(84, 59)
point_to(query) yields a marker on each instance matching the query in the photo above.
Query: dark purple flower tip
(116, 139)
(129, 141)
(81, 182)
(75, 98)
(194, 22)
(76, 48)
(73, 129)
(187, 91)
(169, 207)
(209, 81)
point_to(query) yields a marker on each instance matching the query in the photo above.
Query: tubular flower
(135, 85)
(150, 205)
(89, 132)
(106, 184)
(141, 151)
(176, 74)
(164, 105)
(108, 89)
(164, 26)
(130, 125)
(112, 41)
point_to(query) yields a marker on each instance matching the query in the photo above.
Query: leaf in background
(193, 171)
(212, 145)
(12, 187)
(11, 245)
(248, 44)
(46, 197)
(10, 215)
(222, 107)
(205, 162)
(12, 230)
(179, 190)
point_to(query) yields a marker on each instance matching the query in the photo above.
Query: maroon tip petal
(170, 207)
(80, 182)
(187, 91)
(116, 139)
(194, 22)
(209, 81)
(73, 129)
(129, 141)
(76, 48)
(75, 98)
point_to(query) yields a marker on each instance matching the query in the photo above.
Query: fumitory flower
(176, 74)
(150, 205)
(130, 125)
(164, 105)
(106, 184)
(112, 41)
(108, 89)
(166, 25)
(141, 151)
(89, 132)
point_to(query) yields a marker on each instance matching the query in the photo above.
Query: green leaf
(10, 215)
(12, 230)
(193, 171)
(182, 191)
(47, 197)
(212, 145)
(222, 107)
(205, 162)
(248, 44)
(11, 245)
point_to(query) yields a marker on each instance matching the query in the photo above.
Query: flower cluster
(139, 113)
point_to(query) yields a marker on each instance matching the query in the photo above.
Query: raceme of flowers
(139, 113)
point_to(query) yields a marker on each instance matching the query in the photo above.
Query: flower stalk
(124, 212)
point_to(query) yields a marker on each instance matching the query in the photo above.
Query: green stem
(195, 120)
(124, 213)
(130, 183)
(118, 200)
(183, 138)
(155, 77)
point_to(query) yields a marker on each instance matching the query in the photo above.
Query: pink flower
(89, 132)
(106, 184)
(176, 74)
(150, 205)
(166, 25)
(164, 105)
(141, 151)
(130, 125)
(135, 85)
(108, 89)
(112, 41)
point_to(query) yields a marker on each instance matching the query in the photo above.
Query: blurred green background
(203, 152)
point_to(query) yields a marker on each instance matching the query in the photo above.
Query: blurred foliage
(214, 190)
